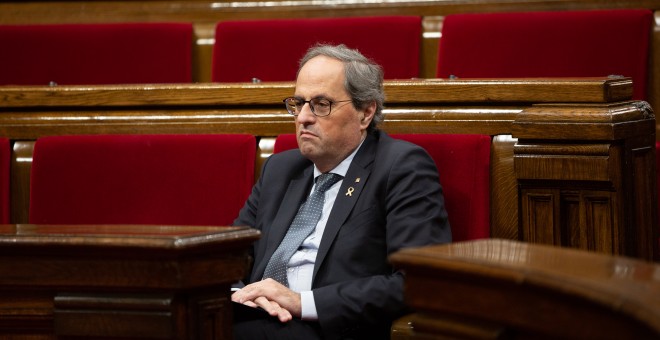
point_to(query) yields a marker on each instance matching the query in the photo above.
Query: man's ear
(368, 114)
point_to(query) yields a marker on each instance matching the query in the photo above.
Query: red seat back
(269, 50)
(5, 157)
(595, 43)
(92, 54)
(141, 179)
(463, 162)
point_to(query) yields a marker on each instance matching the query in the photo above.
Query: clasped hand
(273, 297)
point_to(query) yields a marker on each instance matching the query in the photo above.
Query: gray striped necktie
(303, 225)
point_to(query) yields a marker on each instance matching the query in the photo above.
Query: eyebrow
(320, 96)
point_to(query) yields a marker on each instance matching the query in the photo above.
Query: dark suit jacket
(397, 202)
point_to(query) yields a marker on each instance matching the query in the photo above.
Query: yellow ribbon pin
(350, 191)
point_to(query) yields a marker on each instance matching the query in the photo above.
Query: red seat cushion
(594, 43)
(463, 162)
(270, 49)
(141, 179)
(92, 54)
(5, 157)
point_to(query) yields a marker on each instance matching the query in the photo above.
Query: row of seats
(485, 45)
(205, 179)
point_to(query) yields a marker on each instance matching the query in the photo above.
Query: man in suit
(338, 283)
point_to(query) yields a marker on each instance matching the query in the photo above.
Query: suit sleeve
(247, 216)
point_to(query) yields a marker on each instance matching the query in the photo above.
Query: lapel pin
(350, 191)
(357, 180)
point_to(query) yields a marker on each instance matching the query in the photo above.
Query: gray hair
(364, 77)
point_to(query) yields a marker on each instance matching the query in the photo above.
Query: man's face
(328, 140)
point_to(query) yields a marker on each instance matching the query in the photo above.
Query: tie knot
(325, 181)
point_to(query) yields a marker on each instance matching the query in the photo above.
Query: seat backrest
(5, 164)
(94, 54)
(269, 50)
(595, 43)
(463, 163)
(141, 179)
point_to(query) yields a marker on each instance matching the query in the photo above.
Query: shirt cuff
(307, 306)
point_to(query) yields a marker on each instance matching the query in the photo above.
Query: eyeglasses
(320, 106)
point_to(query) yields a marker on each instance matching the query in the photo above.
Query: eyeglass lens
(319, 106)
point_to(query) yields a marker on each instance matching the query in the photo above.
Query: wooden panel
(144, 316)
(563, 162)
(568, 218)
(209, 11)
(431, 28)
(122, 281)
(504, 189)
(21, 165)
(591, 177)
(538, 206)
(572, 234)
(210, 313)
(565, 90)
(601, 229)
(589, 121)
(643, 162)
(19, 12)
(21, 314)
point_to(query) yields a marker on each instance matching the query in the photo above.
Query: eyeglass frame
(311, 107)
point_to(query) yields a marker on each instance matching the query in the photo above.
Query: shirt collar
(341, 168)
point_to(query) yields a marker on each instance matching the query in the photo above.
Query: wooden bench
(572, 160)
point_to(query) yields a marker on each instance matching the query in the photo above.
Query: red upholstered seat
(463, 162)
(92, 54)
(548, 44)
(141, 179)
(5, 156)
(269, 50)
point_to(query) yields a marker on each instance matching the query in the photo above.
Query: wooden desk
(493, 289)
(120, 281)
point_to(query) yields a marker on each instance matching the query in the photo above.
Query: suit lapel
(351, 188)
(294, 196)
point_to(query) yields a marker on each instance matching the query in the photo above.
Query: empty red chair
(141, 179)
(5, 158)
(92, 54)
(463, 162)
(269, 50)
(595, 43)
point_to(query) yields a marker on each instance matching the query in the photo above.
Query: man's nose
(306, 114)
